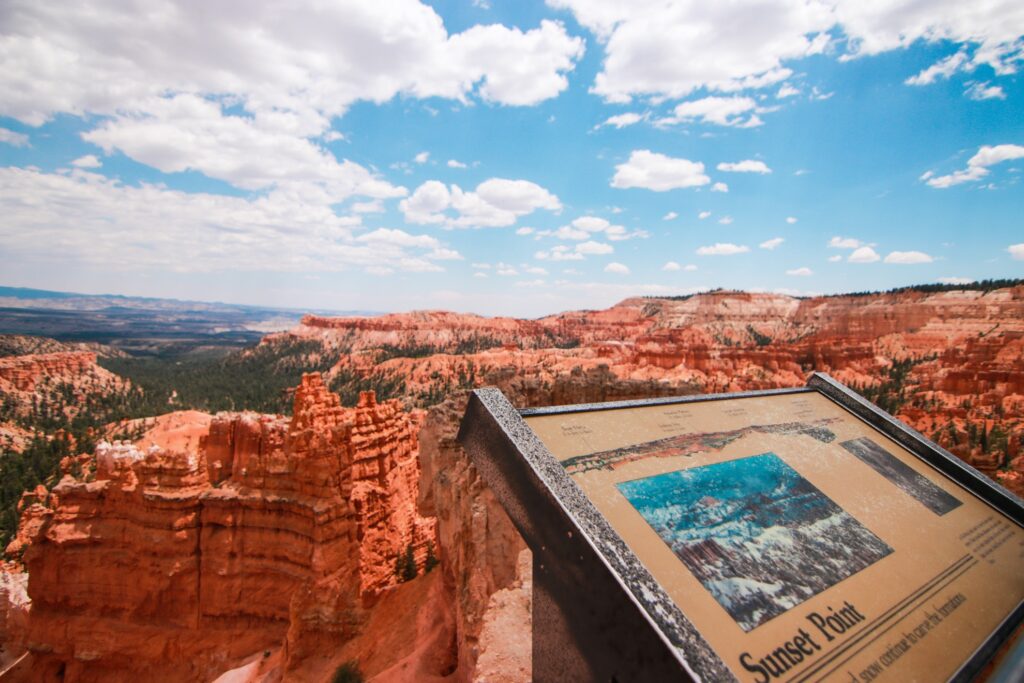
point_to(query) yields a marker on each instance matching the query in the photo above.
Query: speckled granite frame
(598, 614)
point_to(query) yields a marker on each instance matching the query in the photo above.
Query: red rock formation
(23, 373)
(182, 561)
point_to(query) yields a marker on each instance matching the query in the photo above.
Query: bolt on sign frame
(790, 535)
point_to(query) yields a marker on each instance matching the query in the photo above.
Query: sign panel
(801, 542)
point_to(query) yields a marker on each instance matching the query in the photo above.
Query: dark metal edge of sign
(562, 497)
(644, 402)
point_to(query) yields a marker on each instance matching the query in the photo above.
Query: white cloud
(956, 280)
(719, 187)
(422, 157)
(791, 220)
(670, 49)
(277, 56)
(593, 248)
(835, 259)
(671, 215)
(578, 252)
(10, 137)
(703, 214)
(454, 163)
(772, 243)
(533, 270)
(725, 220)
(689, 267)
(721, 111)
(908, 257)
(88, 161)
(505, 269)
(745, 166)
(497, 202)
(863, 255)
(616, 268)
(984, 91)
(671, 266)
(372, 206)
(481, 266)
(844, 243)
(944, 68)
(658, 172)
(722, 249)
(525, 231)
(479, 274)
(622, 120)
(977, 165)
(800, 272)
(75, 217)
(263, 152)
(786, 91)
(1016, 251)
(585, 227)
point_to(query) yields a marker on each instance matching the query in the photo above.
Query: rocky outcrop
(274, 531)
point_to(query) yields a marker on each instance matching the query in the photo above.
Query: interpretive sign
(796, 535)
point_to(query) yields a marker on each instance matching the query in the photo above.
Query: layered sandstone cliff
(274, 531)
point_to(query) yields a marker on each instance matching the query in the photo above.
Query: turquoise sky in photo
(508, 157)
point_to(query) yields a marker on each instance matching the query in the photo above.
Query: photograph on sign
(801, 542)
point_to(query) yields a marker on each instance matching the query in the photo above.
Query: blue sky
(508, 157)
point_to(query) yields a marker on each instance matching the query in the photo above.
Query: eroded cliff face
(274, 532)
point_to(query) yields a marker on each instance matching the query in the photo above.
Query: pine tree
(431, 560)
(409, 569)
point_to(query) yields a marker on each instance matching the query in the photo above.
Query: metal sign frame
(598, 614)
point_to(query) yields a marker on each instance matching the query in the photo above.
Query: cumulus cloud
(671, 215)
(275, 55)
(944, 68)
(835, 259)
(1016, 251)
(722, 111)
(977, 165)
(863, 255)
(984, 91)
(669, 50)
(791, 220)
(617, 268)
(908, 257)
(772, 243)
(725, 220)
(15, 139)
(88, 161)
(622, 120)
(722, 249)
(671, 266)
(191, 133)
(75, 217)
(703, 214)
(745, 166)
(844, 243)
(658, 172)
(422, 157)
(497, 202)
(800, 272)
(455, 163)
(585, 227)
(525, 230)
(563, 252)
(786, 91)
(719, 187)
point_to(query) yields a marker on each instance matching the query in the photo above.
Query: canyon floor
(295, 507)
